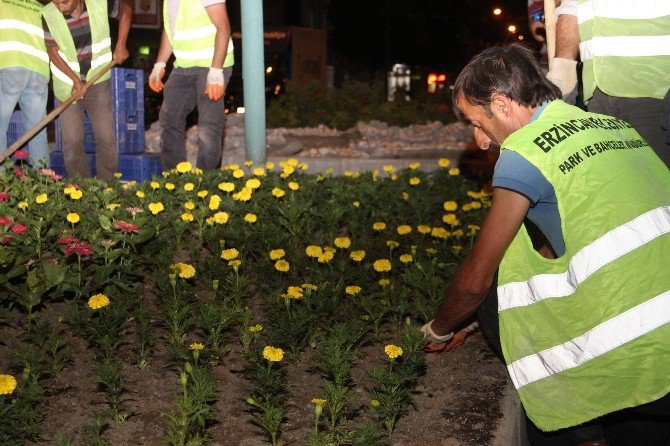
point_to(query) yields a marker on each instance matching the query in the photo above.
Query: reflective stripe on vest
(625, 47)
(22, 37)
(100, 46)
(589, 333)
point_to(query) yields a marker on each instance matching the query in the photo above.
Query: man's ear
(501, 104)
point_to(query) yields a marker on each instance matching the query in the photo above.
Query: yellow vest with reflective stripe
(589, 333)
(22, 37)
(100, 44)
(193, 35)
(625, 47)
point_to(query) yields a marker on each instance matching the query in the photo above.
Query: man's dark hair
(510, 70)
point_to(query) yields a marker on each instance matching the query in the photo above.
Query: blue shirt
(515, 173)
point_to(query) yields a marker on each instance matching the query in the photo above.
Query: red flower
(125, 226)
(18, 172)
(20, 154)
(67, 240)
(56, 177)
(80, 249)
(6, 239)
(6, 221)
(4, 196)
(19, 229)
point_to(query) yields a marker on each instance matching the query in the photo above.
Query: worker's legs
(98, 103)
(211, 120)
(33, 103)
(72, 133)
(11, 86)
(179, 99)
(646, 115)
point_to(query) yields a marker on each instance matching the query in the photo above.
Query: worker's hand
(215, 85)
(156, 76)
(79, 89)
(432, 336)
(120, 54)
(455, 340)
(563, 74)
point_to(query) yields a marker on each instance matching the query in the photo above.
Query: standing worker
(77, 38)
(24, 73)
(625, 50)
(585, 324)
(198, 33)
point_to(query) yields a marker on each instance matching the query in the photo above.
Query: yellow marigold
(73, 217)
(227, 186)
(382, 265)
(220, 218)
(319, 401)
(155, 185)
(229, 254)
(243, 195)
(196, 346)
(457, 248)
(454, 171)
(235, 263)
(129, 185)
(392, 244)
(293, 185)
(98, 301)
(379, 226)
(423, 229)
(156, 208)
(7, 384)
(250, 218)
(118, 175)
(405, 196)
(189, 205)
(473, 229)
(259, 172)
(384, 282)
(253, 183)
(352, 290)
(277, 254)
(388, 168)
(41, 198)
(404, 229)
(186, 216)
(139, 194)
(392, 351)
(313, 251)
(303, 166)
(113, 206)
(326, 256)
(457, 233)
(477, 195)
(269, 165)
(439, 233)
(24, 204)
(288, 170)
(451, 219)
(294, 292)
(282, 265)
(374, 403)
(357, 256)
(406, 258)
(184, 270)
(214, 202)
(342, 242)
(248, 163)
(273, 354)
(202, 193)
(348, 173)
(188, 187)
(450, 206)
(466, 207)
(277, 192)
(232, 166)
(415, 165)
(76, 194)
(431, 251)
(309, 286)
(238, 173)
(255, 328)
(357, 204)
(184, 167)
(414, 181)
(443, 162)
(475, 205)
(169, 186)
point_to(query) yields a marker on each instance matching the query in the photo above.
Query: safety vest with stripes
(193, 36)
(22, 37)
(100, 44)
(588, 333)
(625, 47)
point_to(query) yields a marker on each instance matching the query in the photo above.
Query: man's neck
(78, 10)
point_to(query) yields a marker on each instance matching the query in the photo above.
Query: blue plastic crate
(58, 163)
(89, 139)
(139, 167)
(16, 129)
(129, 132)
(128, 90)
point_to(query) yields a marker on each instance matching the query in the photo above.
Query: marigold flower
(273, 354)
(451, 220)
(294, 292)
(184, 270)
(404, 229)
(269, 165)
(450, 206)
(139, 194)
(73, 217)
(384, 282)
(382, 265)
(319, 401)
(125, 226)
(229, 254)
(76, 194)
(117, 175)
(235, 263)
(156, 208)
(238, 173)
(7, 384)
(326, 256)
(392, 244)
(196, 346)
(423, 229)
(184, 167)
(277, 254)
(155, 185)
(374, 403)
(379, 226)
(282, 265)
(357, 204)
(277, 192)
(98, 301)
(439, 233)
(250, 218)
(293, 185)
(188, 187)
(243, 195)
(214, 202)
(393, 351)
(431, 251)
(309, 286)
(259, 172)
(187, 217)
(313, 251)
(220, 218)
(113, 206)
(255, 328)
(80, 249)
(443, 162)
(357, 256)
(169, 186)
(41, 198)
(227, 186)
(342, 242)
(457, 233)
(457, 248)
(189, 205)
(454, 171)
(415, 165)
(477, 195)
(352, 290)
(414, 181)
(406, 258)
(388, 168)
(475, 204)
(253, 183)
(22, 204)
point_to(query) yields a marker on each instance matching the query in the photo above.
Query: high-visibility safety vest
(100, 44)
(22, 37)
(589, 333)
(625, 47)
(193, 35)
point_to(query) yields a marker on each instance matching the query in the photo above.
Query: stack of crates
(15, 129)
(128, 111)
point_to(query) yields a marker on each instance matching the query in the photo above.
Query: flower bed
(247, 304)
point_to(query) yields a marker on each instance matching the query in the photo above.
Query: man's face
(490, 131)
(67, 6)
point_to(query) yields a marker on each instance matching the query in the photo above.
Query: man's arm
(78, 85)
(563, 71)
(218, 14)
(473, 278)
(157, 73)
(121, 50)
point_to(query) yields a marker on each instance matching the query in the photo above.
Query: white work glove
(215, 86)
(432, 337)
(156, 76)
(563, 74)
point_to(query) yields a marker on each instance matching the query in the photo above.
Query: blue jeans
(30, 91)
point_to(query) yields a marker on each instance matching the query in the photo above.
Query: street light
(511, 29)
(497, 11)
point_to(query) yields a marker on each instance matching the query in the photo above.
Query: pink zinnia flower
(6, 239)
(47, 172)
(18, 172)
(67, 240)
(56, 177)
(125, 226)
(20, 154)
(6, 221)
(19, 229)
(81, 249)
(4, 196)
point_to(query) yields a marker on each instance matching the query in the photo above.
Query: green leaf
(105, 222)
(54, 274)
